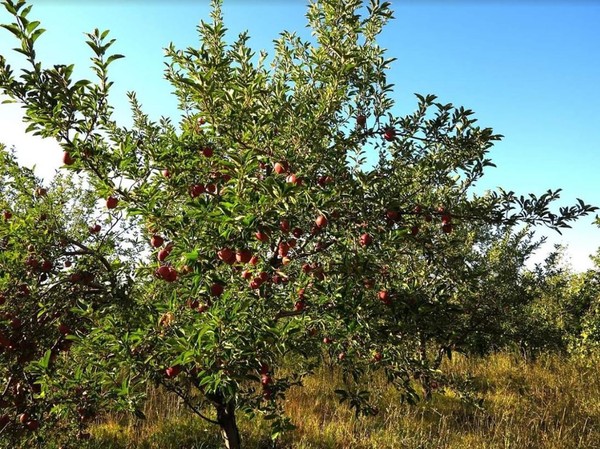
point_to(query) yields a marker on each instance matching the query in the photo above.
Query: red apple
(414, 230)
(365, 240)
(389, 134)
(173, 371)
(162, 271)
(192, 303)
(243, 256)
(324, 180)
(226, 255)
(393, 215)
(40, 191)
(297, 232)
(207, 152)
(293, 179)
(266, 379)
(211, 188)
(321, 221)
(262, 236)
(16, 323)
(267, 394)
(156, 241)
(4, 420)
(283, 249)
(32, 425)
(385, 297)
(166, 173)
(164, 253)
(254, 260)
(46, 266)
(327, 340)
(217, 289)
(246, 274)
(377, 356)
(280, 167)
(68, 159)
(447, 228)
(299, 306)
(111, 202)
(196, 190)
(172, 276)
(277, 279)
(23, 290)
(95, 229)
(64, 329)
(167, 273)
(255, 283)
(32, 262)
(284, 226)
(361, 120)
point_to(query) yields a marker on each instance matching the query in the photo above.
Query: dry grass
(551, 403)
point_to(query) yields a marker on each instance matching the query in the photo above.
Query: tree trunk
(424, 378)
(229, 428)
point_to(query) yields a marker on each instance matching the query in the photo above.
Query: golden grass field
(550, 403)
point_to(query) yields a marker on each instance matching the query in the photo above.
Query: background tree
(60, 272)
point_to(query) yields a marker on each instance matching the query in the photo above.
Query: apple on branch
(112, 202)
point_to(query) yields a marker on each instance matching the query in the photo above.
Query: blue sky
(530, 70)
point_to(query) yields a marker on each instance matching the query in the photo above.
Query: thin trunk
(424, 378)
(229, 428)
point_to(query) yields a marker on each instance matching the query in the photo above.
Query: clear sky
(530, 70)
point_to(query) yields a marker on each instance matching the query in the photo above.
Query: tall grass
(550, 403)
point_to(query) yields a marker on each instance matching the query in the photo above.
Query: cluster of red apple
(68, 158)
(445, 216)
(29, 422)
(165, 272)
(244, 256)
(197, 189)
(35, 264)
(283, 168)
(111, 203)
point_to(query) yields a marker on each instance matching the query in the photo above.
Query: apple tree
(60, 272)
(272, 242)
(587, 341)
